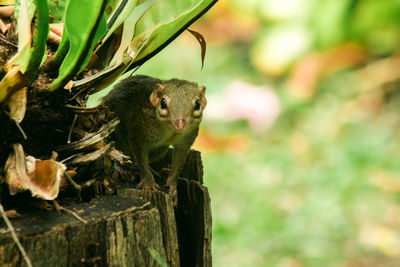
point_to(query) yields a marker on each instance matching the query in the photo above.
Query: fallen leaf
(11, 83)
(17, 105)
(15, 183)
(90, 157)
(41, 177)
(46, 178)
(69, 85)
(120, 157)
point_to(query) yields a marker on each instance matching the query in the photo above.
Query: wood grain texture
(121, 229)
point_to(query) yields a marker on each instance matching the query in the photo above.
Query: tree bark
(132, 228)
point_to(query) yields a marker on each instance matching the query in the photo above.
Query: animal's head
(179, 103)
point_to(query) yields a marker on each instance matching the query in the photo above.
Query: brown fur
(146, 130)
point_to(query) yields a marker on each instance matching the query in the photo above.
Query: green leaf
(61, 51)
(24, 35)
(28, 5)
(128, 31)
(101, 30)
(162, 22)
(6, 2)
(165, 23)
(102, 79)
(57, 9)
(82, 20)
(122, 12)
(39, 42)
(111, 7)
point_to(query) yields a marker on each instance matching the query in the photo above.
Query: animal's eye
(197, 105)
(163, 103)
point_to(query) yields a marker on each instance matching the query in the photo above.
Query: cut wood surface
(132, 228)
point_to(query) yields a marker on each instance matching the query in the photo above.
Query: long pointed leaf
(122, 13)
(24, 36)
(161, 34)
(128, 31)
(81, 25)
(61, 51)
(39, 42)
(163, 29)
(102, 79)
(101, 30)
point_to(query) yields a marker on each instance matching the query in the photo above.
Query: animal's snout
(180, 124)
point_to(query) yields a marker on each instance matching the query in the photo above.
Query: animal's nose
(180, 124)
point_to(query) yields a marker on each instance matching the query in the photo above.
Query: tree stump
(132, 228)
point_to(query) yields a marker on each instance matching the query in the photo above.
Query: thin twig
(74, 214)
(70, 157)
(71, 129)
(69, 178)
(59, 207)
(15, 237)
(75, 185)
(83, 110)
(88, 183)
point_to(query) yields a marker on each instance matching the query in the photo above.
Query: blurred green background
(300, 140)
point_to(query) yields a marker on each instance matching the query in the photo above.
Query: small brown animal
(155, 114)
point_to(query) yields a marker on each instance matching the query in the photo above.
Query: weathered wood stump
(132, 228)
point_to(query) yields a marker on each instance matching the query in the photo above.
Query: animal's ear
(156, 95)
(203, 99)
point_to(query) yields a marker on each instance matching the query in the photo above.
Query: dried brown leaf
(69, 85)
(93, 140)
(17, 105)
(11, 83)
(90, 157)
(12, 178)
(120, 157)
(41, 177)
(46, 178)
(202, 43)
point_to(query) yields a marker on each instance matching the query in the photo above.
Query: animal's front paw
(148, 184)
